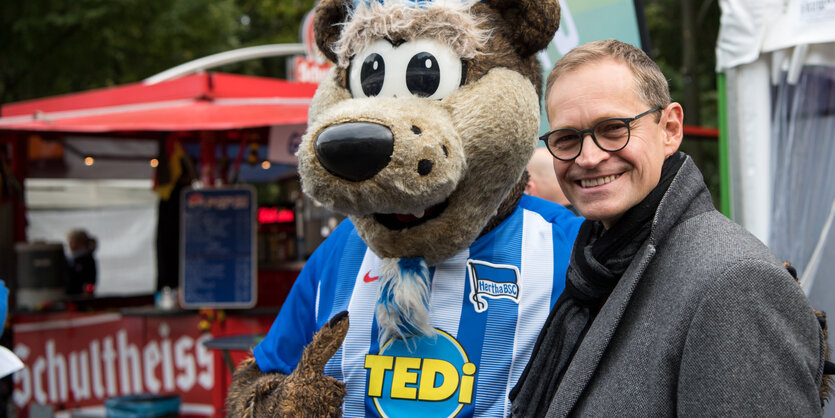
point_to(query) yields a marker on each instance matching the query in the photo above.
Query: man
(669, 307)
(541, 180)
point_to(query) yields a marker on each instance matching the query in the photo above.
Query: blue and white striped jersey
(488, 304)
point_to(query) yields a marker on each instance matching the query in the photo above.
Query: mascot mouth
(399, 221)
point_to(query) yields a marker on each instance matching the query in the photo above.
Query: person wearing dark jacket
(81, 275)
(670, 308)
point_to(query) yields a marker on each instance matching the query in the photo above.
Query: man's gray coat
(704, 322)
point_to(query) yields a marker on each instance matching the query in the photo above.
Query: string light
(154, 162)
(88, 161)
(266, 165)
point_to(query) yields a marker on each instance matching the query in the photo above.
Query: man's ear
(530, 24)
(330, 14)
(530, 187)
(673, 120)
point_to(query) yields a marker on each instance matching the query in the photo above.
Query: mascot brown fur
(445, 166)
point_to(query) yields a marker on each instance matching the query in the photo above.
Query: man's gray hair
(650, 84)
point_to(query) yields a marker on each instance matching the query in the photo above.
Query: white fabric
(741, 31)
(126, 243)
(9, 362)
(800, 22)
(750, 27)
(70, 193)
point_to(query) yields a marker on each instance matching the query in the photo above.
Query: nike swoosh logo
(368, 278)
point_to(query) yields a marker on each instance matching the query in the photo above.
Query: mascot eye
(373, 74)
(420, 68)
(423, 75)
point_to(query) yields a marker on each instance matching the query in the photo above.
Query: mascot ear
(530, 24)
(330, 14)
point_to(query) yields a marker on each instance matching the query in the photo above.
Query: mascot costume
(446, 271)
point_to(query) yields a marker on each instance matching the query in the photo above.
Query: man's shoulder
(709, 244)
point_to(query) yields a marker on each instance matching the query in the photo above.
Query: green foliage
(268, 22)
(51, 47)
(664, 19)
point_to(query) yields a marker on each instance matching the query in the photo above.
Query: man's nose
(590, 155)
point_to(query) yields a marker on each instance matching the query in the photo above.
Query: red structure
(199, 102)
(79, 359)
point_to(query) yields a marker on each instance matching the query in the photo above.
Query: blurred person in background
(542, 182)
(81, 275)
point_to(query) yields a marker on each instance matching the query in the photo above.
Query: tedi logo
(492, 281)
(437, 384)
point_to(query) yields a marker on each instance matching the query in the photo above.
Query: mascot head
(422, 131)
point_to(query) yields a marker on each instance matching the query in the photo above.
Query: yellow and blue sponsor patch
(439, 383)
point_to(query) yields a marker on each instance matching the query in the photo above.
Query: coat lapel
(687, 196)
(588, 355)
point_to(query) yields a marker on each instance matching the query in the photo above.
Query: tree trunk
(692, 100)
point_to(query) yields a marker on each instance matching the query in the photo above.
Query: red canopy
(209, 101)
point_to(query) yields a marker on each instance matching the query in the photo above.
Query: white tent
(777, 58)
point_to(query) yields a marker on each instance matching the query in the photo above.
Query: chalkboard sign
(217, 248)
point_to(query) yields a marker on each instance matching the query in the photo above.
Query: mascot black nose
(355, 151)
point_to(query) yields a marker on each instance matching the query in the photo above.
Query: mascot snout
(355, 151)
(379, 157)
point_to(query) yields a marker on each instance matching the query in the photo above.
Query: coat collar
(686, 197)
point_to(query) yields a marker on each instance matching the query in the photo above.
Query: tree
(53, 46)
(683, 36)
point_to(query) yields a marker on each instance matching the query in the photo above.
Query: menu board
(217, 249)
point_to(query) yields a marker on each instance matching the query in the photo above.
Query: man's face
(600, 184)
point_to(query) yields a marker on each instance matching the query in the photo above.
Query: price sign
(218, 248)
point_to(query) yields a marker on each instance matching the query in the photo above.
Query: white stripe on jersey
(447, 293)
(318, 292)
(537, 279)
(355, 347)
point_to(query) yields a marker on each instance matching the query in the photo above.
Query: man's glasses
(610, 135)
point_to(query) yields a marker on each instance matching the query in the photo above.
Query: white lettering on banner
(98, 386)
(186, 379)
(151, 358)
(22, 378)
(129, 353)
(109, 358)
(79, 375)
(56, 367)
(91, 373)
(566, 39)
(37, 370)
(167, 362)
(308, 71)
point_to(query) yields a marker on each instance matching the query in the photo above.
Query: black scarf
(598, 260)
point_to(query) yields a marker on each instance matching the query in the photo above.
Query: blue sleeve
(564, 226)
(566, 223)
(293, 329)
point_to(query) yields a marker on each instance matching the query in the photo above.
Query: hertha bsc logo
(495, 281)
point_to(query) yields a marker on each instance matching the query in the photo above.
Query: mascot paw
(307, 392)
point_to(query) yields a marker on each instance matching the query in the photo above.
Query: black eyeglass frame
(590, 131)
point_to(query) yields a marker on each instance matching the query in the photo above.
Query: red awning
(211, 101)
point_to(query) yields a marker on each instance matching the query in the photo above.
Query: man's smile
(598, 181)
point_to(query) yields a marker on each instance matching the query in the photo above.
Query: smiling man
(669, 307)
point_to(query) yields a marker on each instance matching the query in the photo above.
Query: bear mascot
(445, 270)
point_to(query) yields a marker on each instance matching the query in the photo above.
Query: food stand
(227, 129)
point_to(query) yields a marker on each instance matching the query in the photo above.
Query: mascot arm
(307, 391)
